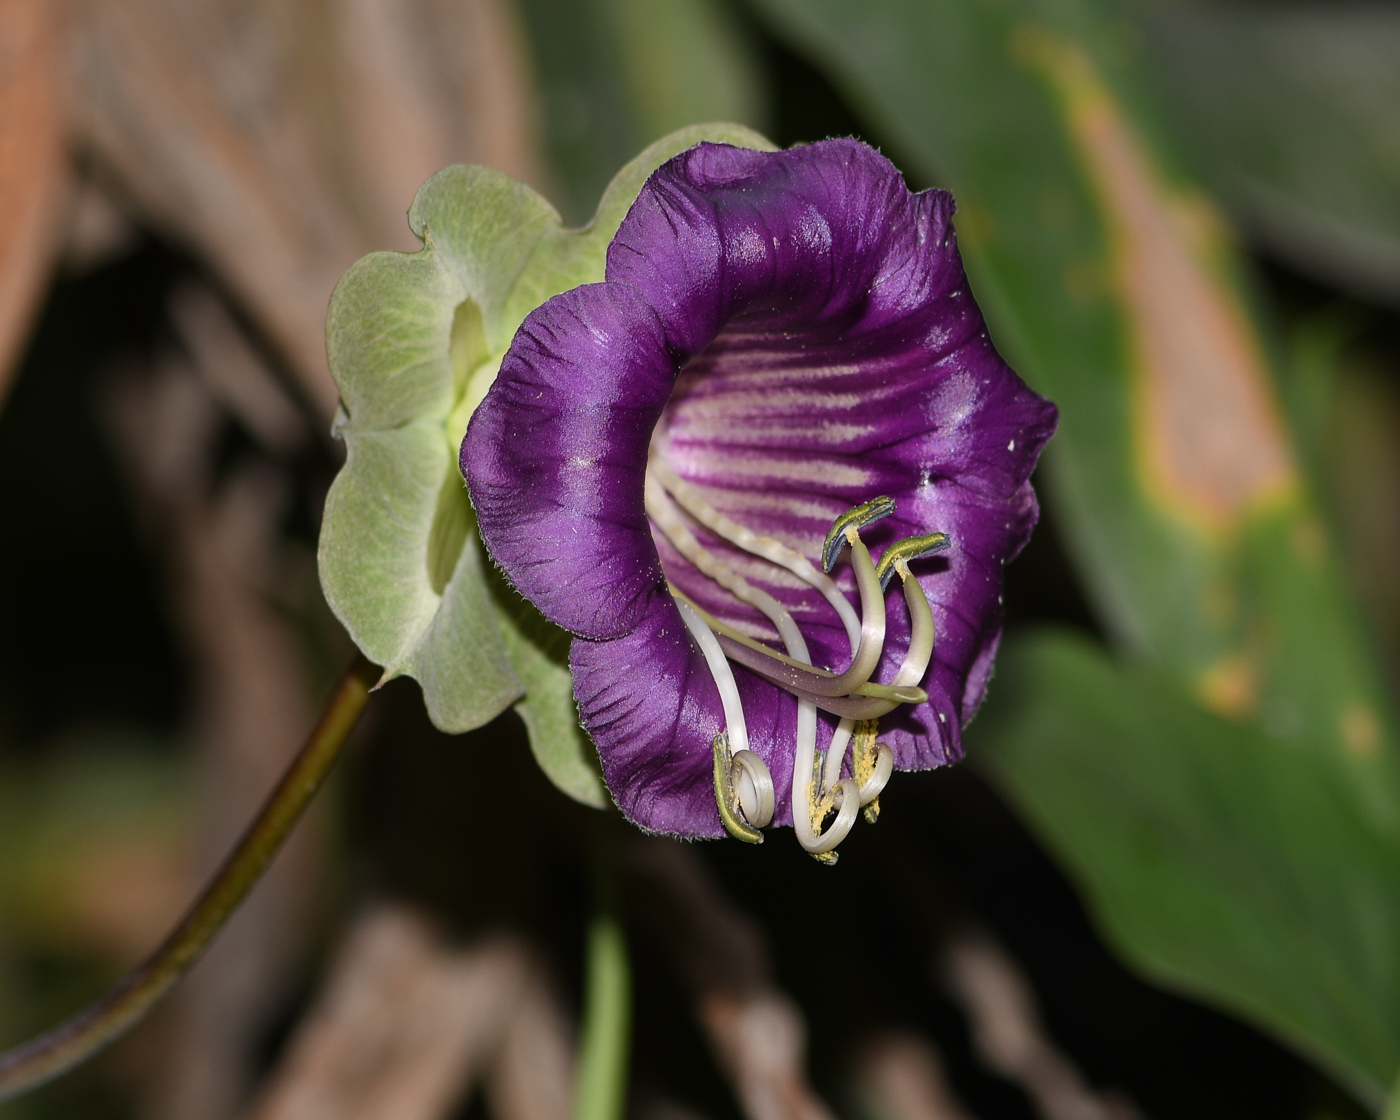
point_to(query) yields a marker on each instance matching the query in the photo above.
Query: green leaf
(1290, 112)
(615, 75)
(414, 342)
(1112, 285)
(1216, 858)
(686, 60)
(600, 1086)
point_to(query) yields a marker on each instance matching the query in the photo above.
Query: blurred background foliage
(1182, 221)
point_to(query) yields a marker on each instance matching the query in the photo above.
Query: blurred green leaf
(90, 810)
(95, 838)
(1113, 286)
(414, 343)
(1216, 858)
(1293, 113)
(614, 75)
(1363, 460)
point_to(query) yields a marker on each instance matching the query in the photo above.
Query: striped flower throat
(824, 803)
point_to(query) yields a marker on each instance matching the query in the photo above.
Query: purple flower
(659, 465)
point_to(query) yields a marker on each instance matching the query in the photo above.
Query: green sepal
(414, 341)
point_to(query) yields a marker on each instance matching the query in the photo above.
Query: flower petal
(803, 326)
(651, 705)
(556, 454)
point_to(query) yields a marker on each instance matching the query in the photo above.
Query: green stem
(42, 1059)
(600, 1089)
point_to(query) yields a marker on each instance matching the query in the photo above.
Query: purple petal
(651, 706)
(830, 352)
(556, 454)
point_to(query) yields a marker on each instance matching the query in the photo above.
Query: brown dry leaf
(33, 166)
(900, 1077)
(402, 1027)
(281, 142)
(757, 1032)
(232, 372)
(1009, 1038)
(761, 1043)
(532, 1075)
(251, 709)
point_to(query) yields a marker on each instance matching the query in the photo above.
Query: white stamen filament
(921, 631)
(723, 675)
(836, 752)
(884, 767)
(911, 672)
(752, 780)
(665, 515)
(689, 499)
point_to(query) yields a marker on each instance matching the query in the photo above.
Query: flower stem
(42, 1059)
(600, 1087)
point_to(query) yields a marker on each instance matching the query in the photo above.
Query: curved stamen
(749, 776)
(911, 672)
(816, 682)
(688, 497)
(916, 657)
(796, 677)
(910, 548)
(845, 797)
(734, 723)
(727, 797)
(857, 517)
(753, 784)
(872, 614)
(872, 762)
(921, 630)
(729, 794)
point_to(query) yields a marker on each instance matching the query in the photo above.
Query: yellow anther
(864, 753)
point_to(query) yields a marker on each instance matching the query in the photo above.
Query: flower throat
(743, 784)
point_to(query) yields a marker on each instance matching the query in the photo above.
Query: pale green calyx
(414, 341)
